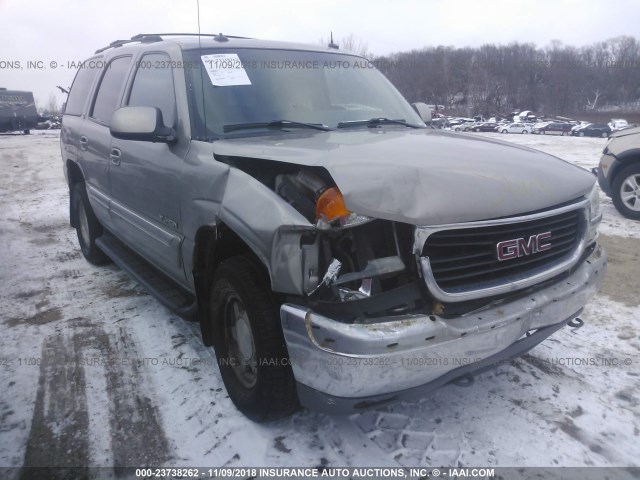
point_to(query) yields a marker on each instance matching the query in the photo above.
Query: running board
(167, 292)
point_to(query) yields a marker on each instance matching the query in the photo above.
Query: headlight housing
(330, 208)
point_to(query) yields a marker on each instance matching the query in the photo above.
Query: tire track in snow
(59, 431)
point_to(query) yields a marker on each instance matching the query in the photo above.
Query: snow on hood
(424, 177)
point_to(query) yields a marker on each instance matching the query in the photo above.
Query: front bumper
(340, 367)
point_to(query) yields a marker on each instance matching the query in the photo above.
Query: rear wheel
(524, 132)
(88, 227)
(581, 134)
(249, 344)
(27, 131)
(626, 192)
(505, 131)
(604, 135)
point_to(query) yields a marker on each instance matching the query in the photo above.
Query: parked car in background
(578, 127)
(619, 171)
(485, 127)
(465, 127)
(618, 124)
(553, 128)
(519, 127)
(593, 130)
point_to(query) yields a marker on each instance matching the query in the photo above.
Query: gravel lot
(93, 371)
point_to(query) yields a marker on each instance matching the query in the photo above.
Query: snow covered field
(93, 371)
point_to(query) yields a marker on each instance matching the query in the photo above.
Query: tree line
(492, 79)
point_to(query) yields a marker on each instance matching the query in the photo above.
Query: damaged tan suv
(336, 251)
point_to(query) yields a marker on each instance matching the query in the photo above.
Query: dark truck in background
(17, 111)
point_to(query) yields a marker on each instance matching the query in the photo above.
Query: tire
(87, 226)
(242, 306)
(524, 132)
(457, 129)
(27, 131)
(624, 181)
(604, 135)
(505, 131)
(581, 134)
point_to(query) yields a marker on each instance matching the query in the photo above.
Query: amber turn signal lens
(330, 205)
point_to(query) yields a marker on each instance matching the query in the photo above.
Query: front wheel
(88, 227)
(604, 135)
(626, 192)
(581, 134)
(524, 132)
(505, 131)
(249, 343)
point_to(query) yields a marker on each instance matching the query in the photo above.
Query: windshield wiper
(375, 122)
(275, 124)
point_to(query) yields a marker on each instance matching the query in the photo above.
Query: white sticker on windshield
(225, 69)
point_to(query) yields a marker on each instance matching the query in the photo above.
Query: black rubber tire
(621, 176)
(581, 134)
(89, 249)
(27, 132)
(274, 394)
(604, 134)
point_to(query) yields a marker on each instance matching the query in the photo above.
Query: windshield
(286, 89)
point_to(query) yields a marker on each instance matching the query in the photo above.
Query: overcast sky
(67, 30)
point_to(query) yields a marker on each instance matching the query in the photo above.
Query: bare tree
(591, 105)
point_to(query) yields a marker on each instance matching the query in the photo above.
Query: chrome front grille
(462, 261)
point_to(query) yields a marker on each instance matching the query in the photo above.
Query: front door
(145, 176)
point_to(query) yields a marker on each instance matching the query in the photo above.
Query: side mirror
(423, 110)
(144, 124)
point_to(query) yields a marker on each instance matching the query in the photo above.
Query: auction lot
(93, 371)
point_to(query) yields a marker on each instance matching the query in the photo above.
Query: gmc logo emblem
(520, 247)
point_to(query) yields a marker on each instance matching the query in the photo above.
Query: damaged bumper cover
(341, 367)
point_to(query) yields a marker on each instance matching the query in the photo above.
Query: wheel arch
(213, 245)
(623, 160)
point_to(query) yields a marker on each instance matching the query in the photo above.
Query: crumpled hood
(424, 177)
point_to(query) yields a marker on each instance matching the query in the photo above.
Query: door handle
(115, 156)
(84, 141)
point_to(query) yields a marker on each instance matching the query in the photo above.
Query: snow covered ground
(93, 371)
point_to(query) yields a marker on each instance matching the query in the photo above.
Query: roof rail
(141, 35)
(157, 37)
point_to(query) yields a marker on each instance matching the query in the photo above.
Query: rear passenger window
(81, 86)
(106, 101)
(153, 86)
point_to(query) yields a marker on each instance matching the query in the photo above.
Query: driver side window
(153, 86)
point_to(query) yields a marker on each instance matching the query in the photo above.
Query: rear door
(95, 140)
(145, 176)
(73, 125)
